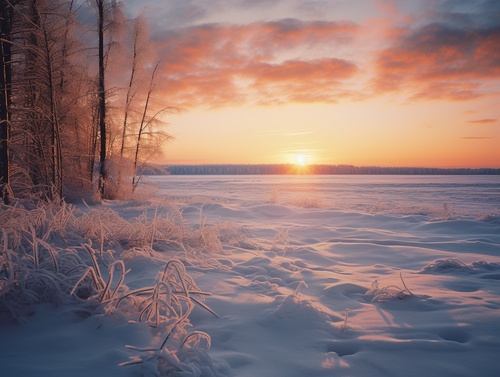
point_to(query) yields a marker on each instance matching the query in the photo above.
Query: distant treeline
(261, 169)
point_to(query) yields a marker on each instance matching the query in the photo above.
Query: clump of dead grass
(390, 292)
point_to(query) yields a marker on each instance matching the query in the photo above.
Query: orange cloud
(220, 64)
(439, 61)
(483, 121)
(477, 137)
(300, 81)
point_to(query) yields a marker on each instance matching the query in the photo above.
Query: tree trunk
(6, 14)
(142, 126)
(102, 100)
(53, 117)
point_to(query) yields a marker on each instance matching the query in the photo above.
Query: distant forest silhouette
(283, 169)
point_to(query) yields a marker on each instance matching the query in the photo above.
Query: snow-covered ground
(309, 276)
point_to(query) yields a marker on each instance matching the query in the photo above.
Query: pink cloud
(483, 121)
(221, 64)
(317, 80)
(438, 61)
(477, 137)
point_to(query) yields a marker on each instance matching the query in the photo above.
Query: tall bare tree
(6, 19)
(146, 122)
(45, 23)
(130, 88)
(101, 98)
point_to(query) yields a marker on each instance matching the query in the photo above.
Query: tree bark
(6, 14)
(130, 95)
(142, 126)
(102, 100)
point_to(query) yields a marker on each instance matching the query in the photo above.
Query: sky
(365, 82)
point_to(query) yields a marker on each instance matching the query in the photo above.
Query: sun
(300, 159)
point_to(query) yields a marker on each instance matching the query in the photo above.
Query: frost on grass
(281, 241)
(53, 253)
(166, 306)
(191, 358)
(291, 310)
(37, 265)
(388, 293)
(456, 265)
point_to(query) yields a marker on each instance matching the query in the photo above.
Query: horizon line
(305, 167)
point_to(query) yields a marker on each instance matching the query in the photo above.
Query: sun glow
(301, 159)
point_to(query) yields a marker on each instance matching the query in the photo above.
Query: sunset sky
(364, 82)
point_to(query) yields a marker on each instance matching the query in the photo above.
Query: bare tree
(108, 22)
(6, 18)
(130, 93)
(101, 98)
(137, 31)
(47, 25)
(146, 122)
(44, 94)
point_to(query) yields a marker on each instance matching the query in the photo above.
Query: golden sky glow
(405, 83)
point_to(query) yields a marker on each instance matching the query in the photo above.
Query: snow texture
(308, 276)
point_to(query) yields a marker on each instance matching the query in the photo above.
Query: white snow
(310, 276)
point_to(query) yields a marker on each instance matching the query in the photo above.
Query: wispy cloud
(281, 132)
(477, 137)
(483, 121)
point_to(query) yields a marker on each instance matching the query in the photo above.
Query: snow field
(299, 290)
